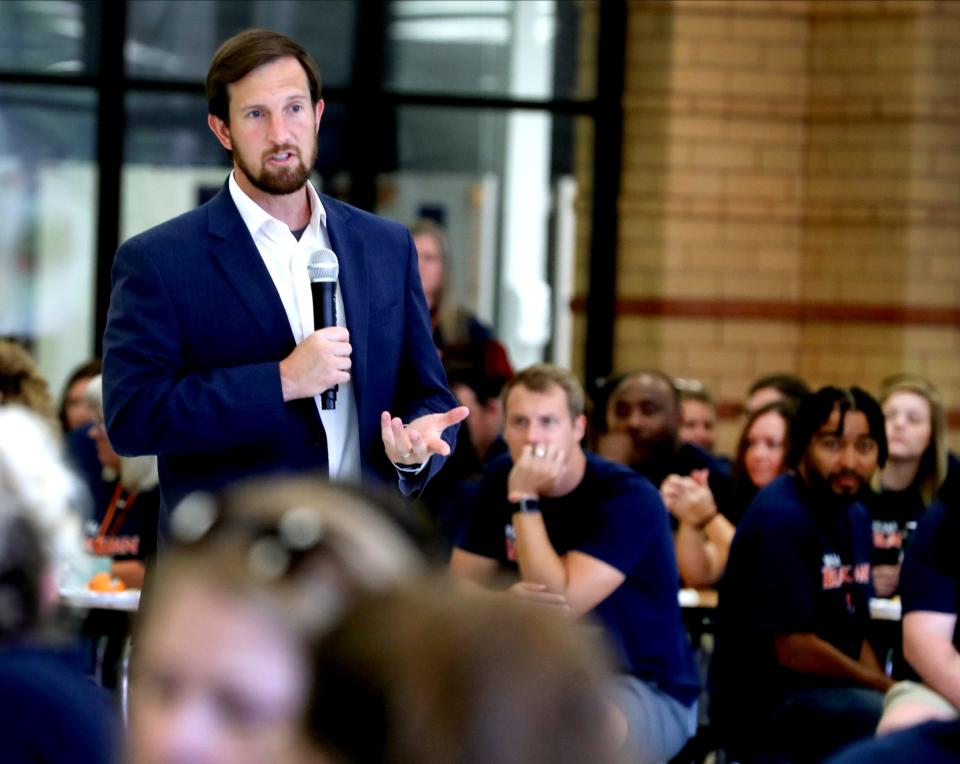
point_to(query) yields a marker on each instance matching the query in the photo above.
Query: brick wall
(791, 192)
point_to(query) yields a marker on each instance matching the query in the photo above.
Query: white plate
(128, 600)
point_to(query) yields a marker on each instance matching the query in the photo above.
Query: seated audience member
(453, 325)
(51, 712)
(775, 387)
(930, 593)
(476, 378)
(915, 471)
(21, 381)
(590, 537)
(702, 552)
(761, 451)
(438, 676)
(933, 743)
(643, 421)
(698, 414)
(73, 411)
(793, 673)
(123, 525)
(220, 666)
(642, 431)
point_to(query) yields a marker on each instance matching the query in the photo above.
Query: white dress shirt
(286, 260)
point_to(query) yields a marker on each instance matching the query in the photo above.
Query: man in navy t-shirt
(793, 674)
(642, 429)
(592, 537)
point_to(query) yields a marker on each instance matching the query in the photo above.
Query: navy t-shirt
(928, 580)
(893, 516)
(619, 518)
(684, 460)
(51, 713)
(799, 563)
(932, 743)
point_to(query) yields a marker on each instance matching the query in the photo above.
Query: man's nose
(534, 435)
(848, 456)
(277, 128)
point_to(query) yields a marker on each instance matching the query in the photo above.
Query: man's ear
(220, 129)
(580, 426)
(318, 112)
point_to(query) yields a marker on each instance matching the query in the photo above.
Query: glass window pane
(171, 39)
(503, 184)
(48, 37)
(48, 191)
(503, 48)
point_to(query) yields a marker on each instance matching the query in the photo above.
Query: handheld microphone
(323, 269)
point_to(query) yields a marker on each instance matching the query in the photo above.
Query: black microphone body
(324, 315)
(323, 269)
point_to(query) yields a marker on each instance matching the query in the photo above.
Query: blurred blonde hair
(21, 381)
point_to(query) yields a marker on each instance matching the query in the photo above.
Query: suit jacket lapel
(237, 256)
(350, 248)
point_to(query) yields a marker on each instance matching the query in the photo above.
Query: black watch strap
(529, 505)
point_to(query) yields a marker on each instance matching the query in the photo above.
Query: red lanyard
(108, 526)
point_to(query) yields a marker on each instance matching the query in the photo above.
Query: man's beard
(278, 181)
(824, 485)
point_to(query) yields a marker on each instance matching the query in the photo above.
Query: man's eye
(253, 114)
(867, 446)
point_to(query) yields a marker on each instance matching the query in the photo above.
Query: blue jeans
(659, 724)
(812, 724)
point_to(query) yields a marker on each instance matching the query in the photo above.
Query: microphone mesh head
(323, 265)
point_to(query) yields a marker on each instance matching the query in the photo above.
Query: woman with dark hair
(73, 411)
(761, 450)
(702, 551)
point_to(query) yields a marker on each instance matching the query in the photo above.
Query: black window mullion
(607, 155)
(370, 116)
(110, 19)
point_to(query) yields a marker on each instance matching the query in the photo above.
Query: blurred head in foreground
(455, 677)
(220, 671)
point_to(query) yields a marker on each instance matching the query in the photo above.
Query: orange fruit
(101, 582)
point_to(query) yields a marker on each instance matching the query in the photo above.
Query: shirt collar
(255, 217)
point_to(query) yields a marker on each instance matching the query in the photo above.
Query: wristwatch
(529, 505)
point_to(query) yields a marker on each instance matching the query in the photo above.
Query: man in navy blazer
(211, 360)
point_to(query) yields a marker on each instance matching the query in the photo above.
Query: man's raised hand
(420, 439)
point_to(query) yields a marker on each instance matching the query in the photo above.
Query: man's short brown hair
(540, 377)
(243, 53)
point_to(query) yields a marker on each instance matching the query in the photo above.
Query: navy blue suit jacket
(196, 331)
